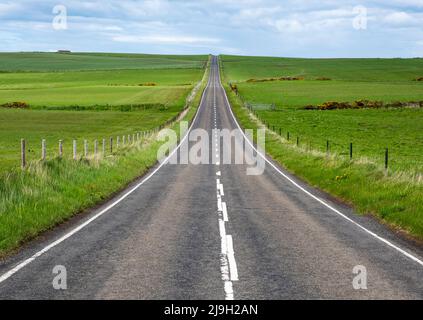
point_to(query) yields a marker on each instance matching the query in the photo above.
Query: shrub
(285, 78)
(396, 104)
(16, 105)
(363, 104)
(375, 104)
(331, 105)
(310, 107)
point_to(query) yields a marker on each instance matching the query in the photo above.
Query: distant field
(297, 94)
(41, 62)
(244, 68)
(48, 81)
(387, 80)
(371, 131)
(96, 87)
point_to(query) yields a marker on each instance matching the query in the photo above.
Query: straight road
(213, 232)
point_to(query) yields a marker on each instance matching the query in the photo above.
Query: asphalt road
(213, 232)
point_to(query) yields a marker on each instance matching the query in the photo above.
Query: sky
(288, 28)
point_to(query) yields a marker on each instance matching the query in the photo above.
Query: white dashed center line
(228, 265)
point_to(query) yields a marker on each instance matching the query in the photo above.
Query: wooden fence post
(60, 148)
(298, 141)
(23, 153)
(117, 142)
(351, 151)
(287, 136)
(123, 140)
(111, 145)
(75, 152)
(104, 146)
(43, 149)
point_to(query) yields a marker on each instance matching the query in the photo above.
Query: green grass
(60, 88)
(298, 94)
(386, 80)
(47, 193)
(87, 88)
(43, 62)
(243, 68)
(395, 197)
(370, 131)
(34, 125)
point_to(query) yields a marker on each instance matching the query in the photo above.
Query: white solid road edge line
(27, 261)
(387, 242)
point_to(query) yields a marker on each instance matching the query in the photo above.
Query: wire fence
(349, 150)
(81, 148)
(78, 149)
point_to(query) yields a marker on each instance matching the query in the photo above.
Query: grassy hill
(42, 62)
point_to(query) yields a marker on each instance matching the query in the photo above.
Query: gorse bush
(16, 105)
(285, 78)
(363, 104)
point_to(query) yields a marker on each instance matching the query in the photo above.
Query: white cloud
(8, 8)
(399, 18)
(267, 27)
(165, 39)
(287, 25)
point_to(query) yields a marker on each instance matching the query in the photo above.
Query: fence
(108, 146)
(113, 144)
(281, 133)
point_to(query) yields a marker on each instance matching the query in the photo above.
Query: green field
(243, 68)
(394, 196)
(297, 94)
(370, 130)
(34, 125)
(387, 80)
(43, 62)
(64, 80)
(82, 96)
(55, 86)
